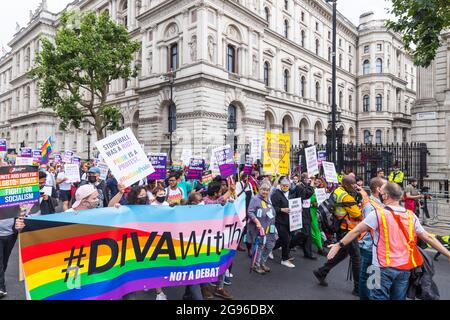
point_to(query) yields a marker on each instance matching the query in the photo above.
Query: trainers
(3, 294)
(291, 259)
(227, 281)
(265, 268)
(161, 296)
(222, 293)
(288, 264)
(228, 274)
(207, 294)
(259, 270)
(321, 278)
(271, 255)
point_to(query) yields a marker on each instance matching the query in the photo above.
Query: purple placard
(57, 158)
(248, 165)
(321, 156)
(2, 145)
(159, 163)
(67, 157)
(225, 161)
(196, 167)
(26, 152)
(37, 156)
(76, 160)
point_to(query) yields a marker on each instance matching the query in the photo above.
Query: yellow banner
(277, 149)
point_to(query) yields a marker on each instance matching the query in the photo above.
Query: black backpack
(328, 221)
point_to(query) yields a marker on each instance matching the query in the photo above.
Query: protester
(316, 235)
(185, 185)
(395, 230)
(174, 193)
(381, 174)
(244, 186)
(94, 179)
(84, 172)
(111, 185)
(412, 196)
(8, 237)
(47, 203)
(64, 189)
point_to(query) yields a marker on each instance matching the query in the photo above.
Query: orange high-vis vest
(397, 241)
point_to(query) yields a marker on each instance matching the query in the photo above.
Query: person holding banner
(47, 202)
(94, 179)
(174, 193)
(8, 238)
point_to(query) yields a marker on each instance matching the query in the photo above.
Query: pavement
(281, 283)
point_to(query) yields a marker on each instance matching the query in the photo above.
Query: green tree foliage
(75, 71)
(420, 23)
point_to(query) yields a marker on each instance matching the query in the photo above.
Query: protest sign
(124, 250)
(125, 157)
(47, 190)
(186, 156)
(76, 160)
(177, 165)
(207, 177)
(321, 156)
(196, 167)
(159, 163)
(311, 161)
(26, 152)
(37, 157)
(213, 166)
(321, 195)
(225, 161)
(11, 157)
(2, 148)
(103, 170)
(72, 171)
(18, 185)
(277, 148)
(57, 158)
(295, 214)
(67, 158)
(256, 148)
(22, 161)
(248, 165)
(330, 172)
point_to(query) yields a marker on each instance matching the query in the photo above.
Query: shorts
(64, 195)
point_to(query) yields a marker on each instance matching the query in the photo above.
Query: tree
(420, 23)
(74, 72)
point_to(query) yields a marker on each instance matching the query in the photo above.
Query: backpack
(328, 221)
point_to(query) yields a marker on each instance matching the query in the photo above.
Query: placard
(37, 157)
(26, 152)
(76, 160)
(159, 163)
(186, 156)
(295, 214)
(47, 190)
(213, 166)
(125, 157)
(18, 185)
(256, 148)
(321, 195)
(207, 177)
(67, 158)
(196, 167)
(277, 149)
(72, 171)
(248, 165)
(57, 158)
(2, 145)
(225, 161)
(311, 161)
(321, 156)
(22, 161)
(103, 170)
(330, 172)
(177, 165)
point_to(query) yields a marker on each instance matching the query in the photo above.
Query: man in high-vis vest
(395, 230)
(349, 216)
(397, 176)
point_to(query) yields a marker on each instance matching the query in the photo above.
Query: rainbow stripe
(46, 150)
(128, 249)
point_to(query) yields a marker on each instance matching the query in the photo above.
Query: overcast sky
(12, 11)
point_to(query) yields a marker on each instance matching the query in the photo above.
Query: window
(286, 28)
(379, 65)
(286, 4)
(349, 49)
(329, 54)
(232, 119)
(379, 102)
(266, 10)
(366, 67)
(303, 16)
(340, 42)
(317, 91)
(341, 99)
(378, 136)
(317, 47)
(173, 57)
(266, 73)
(286, 80)
(231, 59)
(329, 35)
(350, 65)
(317, 26)
(302, 38)
(366, 103)
(366, 49)
(350, 102)
(329, 96)
(302, 86)
(340, 60)
(366, 136)
(379, 47)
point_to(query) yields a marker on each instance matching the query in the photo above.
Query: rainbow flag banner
(106, 253)
(46, 150)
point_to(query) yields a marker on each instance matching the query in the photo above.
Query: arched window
(350, 102)
(341, 99)
(318, 134)
(286, 28)
(378, 136)
(317, 46)
(267, 12)
(266, 73)
(329, 53)
(231, 59)
(302, 38)
(124, 12)
(285, 125)
(232, 117)
(379, 102)
(366, 136)
(366, 67)
(366, 103)
(303, 86)
(173, 57)
(329, 96)
(286, 80)
(379, 65)
(317, 91)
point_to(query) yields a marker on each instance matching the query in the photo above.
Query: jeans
(264, 249)
(393, 285)
(194, 292)
(6, 246)
(366, 262)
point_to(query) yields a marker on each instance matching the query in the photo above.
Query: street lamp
(89, 145)
(170, 76)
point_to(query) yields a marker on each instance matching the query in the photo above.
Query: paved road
(281, 284)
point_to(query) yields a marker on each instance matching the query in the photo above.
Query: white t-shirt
(156, 203)
(372, 221)
(50, 180)
(63, 186)
(175, 196)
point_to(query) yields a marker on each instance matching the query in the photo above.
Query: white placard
(72, 171)
(321, 195)
(186, 156)
(311, 161)
(214, 167)
(295, 215)
(256, 148)
(330, 172)
(103, 170)
(22, 161)
(47, 190)
(67, 158)
(125, 158)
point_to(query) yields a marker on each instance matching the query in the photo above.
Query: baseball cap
(82, 193)
(94, 170)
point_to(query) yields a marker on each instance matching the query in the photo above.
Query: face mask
(142, 201)
(285, 189)
(160, 199)
(94, 204)
(92, 179)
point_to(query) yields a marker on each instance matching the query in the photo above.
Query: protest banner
(256, 148)
(26, 152)
(207, 177)
(76, 160)
(72, 171)
(186, 156)
(277, 148)
(67, 158)
(321, 156)
(125, 157)
(196, 167)
(330, 172)
(103, 170)
(23, 161)
(248, 165)
(311, 161)
(225, 161)
(159, 163)
(18, 185)
(295, 214)
(109, 252)
(321, 195)
(57, 158)
(37, 157)
(2, 148)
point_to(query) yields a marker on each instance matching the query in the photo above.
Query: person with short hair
(381, 174)
(412, 196)
(64, 189)
(94, 179)
(174, 193)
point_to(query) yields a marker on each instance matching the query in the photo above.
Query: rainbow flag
(46, 150)
(106, 253)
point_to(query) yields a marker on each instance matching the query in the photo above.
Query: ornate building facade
(240, 67)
